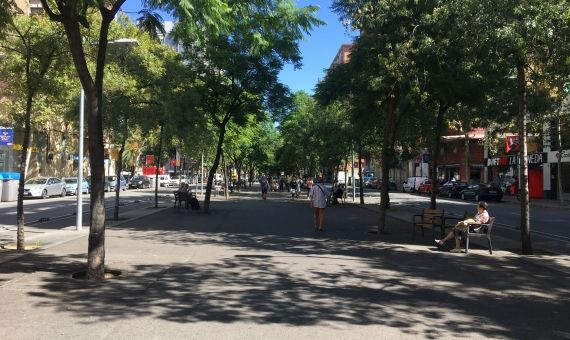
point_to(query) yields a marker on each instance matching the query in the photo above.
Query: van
(412, 184)
(163, 180)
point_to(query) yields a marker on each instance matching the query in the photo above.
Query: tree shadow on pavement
(274, 269)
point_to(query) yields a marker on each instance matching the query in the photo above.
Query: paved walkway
(255, 269)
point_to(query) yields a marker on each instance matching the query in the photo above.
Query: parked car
(413, 183)
(425, 187)
(164, 181)
(452, 189)
(111, 183)
(482, 192)
(71, 185)
(139, 182)
(377, 184)
(44, 187)
(175, 180)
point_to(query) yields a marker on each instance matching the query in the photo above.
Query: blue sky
(318, 49)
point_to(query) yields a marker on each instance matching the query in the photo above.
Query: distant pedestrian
(264, 187)
(318, 199)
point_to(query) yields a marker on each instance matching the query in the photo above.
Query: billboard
(6, 136)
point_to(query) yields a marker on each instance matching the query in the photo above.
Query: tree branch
(50, 13)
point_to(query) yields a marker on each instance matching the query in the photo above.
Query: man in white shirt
(318, 197)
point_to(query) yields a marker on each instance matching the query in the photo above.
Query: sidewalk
(550, 257)
(537, 202)
(254, 269)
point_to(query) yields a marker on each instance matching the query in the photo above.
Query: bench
(180, 197)
(480, 231)
(429, 218)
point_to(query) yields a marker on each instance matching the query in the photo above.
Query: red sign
(512, 144)
(149, 160)
(151, 171)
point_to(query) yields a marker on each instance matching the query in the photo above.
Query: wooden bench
(429, 218)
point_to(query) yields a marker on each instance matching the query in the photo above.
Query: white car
(413, 183)
(176, 179)
(44, 187)
(164, 181)
(71, 185)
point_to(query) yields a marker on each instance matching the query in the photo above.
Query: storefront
(551, 174)
(506, 168)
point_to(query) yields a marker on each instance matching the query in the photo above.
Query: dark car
(377, 184)
(452, 189)
(482, 192)
(139, 182)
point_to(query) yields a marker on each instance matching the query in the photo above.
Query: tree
(383, 77)
(72, 16)
(238, 144)
(33, 49)
(530, 36)
(237, 70)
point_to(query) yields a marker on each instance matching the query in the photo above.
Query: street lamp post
(79, 224)
(353, 180)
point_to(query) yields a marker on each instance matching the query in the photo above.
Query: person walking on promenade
(264, 187)
(481, 217)
(318, 202)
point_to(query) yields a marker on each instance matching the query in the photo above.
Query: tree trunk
(157, 161)
(467, 163)
(96, 248)
(435, 153)
(559, 164)
(239, 166)
(345, 173)
(523, 160)
(361, 190)
(20, 238)
(226, 194)
(386, 162)
(118, 170)
(214, 168)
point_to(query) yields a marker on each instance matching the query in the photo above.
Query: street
(549, 226)
(43, 213)
(254, 269)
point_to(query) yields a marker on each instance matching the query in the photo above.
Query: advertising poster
(6, 136)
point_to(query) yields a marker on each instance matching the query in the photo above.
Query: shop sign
(553, 156)
(6, 136)
(533, 159)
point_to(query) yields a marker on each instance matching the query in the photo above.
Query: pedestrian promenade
(254, 269)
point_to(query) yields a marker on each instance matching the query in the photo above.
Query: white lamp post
(79, 224)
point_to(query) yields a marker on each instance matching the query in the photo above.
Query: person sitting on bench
(460, 228)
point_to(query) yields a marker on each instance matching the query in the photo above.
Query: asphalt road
(60, 212)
